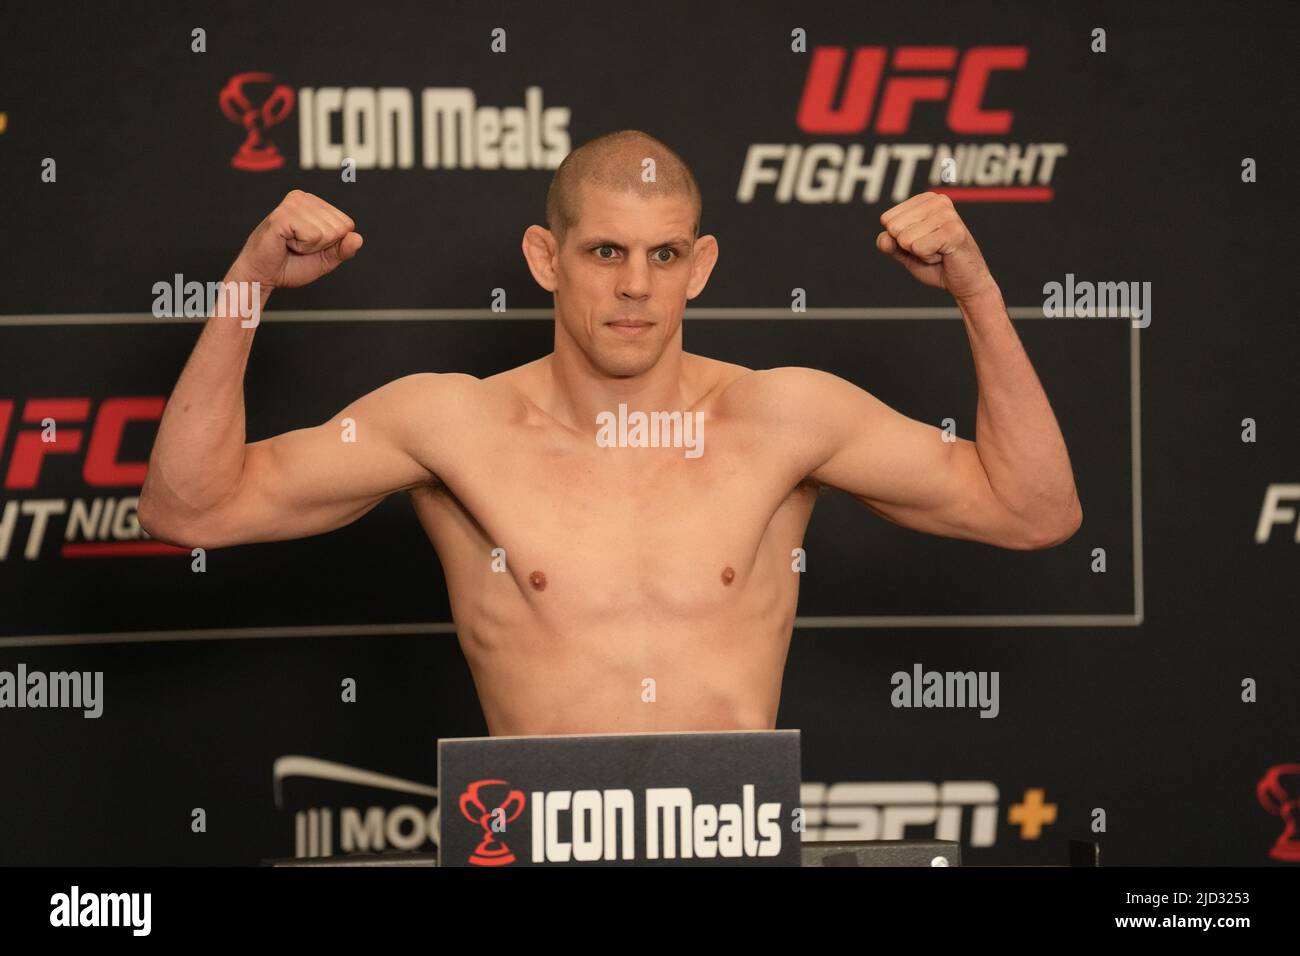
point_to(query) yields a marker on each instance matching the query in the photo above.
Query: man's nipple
(728, 575)
(538, 580)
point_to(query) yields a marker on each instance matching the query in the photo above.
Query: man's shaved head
(618, 161)
(621, 256)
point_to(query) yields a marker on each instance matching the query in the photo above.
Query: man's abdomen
(632, 674)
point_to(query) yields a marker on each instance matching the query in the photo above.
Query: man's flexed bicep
(313, 480)
(900, 468)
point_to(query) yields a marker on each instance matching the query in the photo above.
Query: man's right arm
(206, 487)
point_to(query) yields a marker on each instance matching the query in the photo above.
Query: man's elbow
(1049, 534)
(156, 527)
(160, 526)
(151, 522)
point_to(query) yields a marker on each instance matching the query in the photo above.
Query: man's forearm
(1016, 434)
(198, 455)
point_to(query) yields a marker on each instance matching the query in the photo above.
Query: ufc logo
(964, 95)
(101, 467)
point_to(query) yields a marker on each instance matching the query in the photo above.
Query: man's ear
(705, 258)
(540, 251)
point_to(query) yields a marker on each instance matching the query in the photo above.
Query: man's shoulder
(418, 388)
(777, 392)
(425, 400)
(789, 408)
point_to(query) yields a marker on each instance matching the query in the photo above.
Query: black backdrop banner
(1148, 666)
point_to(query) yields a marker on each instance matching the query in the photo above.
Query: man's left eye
(672, 255)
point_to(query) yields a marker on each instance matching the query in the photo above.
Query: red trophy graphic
(257, 154)
(1283, 802)
(490, 851)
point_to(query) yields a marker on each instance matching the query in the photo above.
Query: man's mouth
(631, 326)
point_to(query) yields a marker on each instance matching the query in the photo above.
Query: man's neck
(579, 392)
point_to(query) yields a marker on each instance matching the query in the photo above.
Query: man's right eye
(598, 251)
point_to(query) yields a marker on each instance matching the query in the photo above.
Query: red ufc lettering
(30, 451)
(902, 92)
(101, 467)
(965, 111)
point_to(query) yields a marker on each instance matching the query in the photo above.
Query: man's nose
(634, 279)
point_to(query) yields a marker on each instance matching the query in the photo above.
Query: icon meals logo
(1278, 792)
(600, 825)
(490, 850)
(379, 129)
(256, 154)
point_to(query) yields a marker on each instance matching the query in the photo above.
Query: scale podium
(678, 799)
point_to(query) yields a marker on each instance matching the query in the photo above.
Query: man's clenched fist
(927, 236)
(303, 239)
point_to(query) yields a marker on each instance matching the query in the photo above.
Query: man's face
(624, 274)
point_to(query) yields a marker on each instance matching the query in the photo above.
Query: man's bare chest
(623, 527)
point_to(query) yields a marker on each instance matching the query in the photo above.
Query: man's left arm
(1013, 486)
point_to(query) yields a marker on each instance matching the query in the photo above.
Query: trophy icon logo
(491, 851)
(256, 154)
(1283, 801)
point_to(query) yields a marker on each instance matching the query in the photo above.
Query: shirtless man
(618, 565)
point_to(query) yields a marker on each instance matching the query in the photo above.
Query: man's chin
(627, 362)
